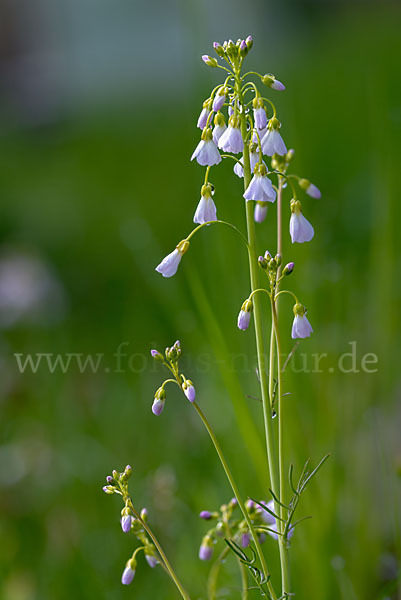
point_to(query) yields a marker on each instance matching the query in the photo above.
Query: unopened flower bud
(129, 572)
(189, 390)
(126, 521)
(244, 316)
(249, 42)
(144, 514)
(206, 548)
(209, 61)
(115, 474)
(288, 269)
(205, 514)
(159, 401)
(272, 82)
(310, 189)
(156, 355)
(109, 489)
(109, 479)
(218, 48)
(262, 262)
(267, 255)
(278, 259)
(151, 556)
(243, 48)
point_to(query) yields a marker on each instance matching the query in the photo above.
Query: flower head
(129, 572)
(301, 328)
(206, 209)
(272, 142)
(300, 228)
(231, 140)
(169, 265)
(244, 316)
(206, 152)
(260, 187)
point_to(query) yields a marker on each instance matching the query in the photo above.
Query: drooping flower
(169, 265)
(219, 127)
(206, 209)
(231, 140)
(129, 572)
(300, 229)
(219, 98)
(260, 211)
(204, 115)
(253, 159)
(259, 113)
(206, 548)
(189, 390)
(273, 83)
(206, 152)
(159, 401)
(272, 142)
(244, 316)
(310, 189)
(260, 187)
(150, 556)
(301, 328)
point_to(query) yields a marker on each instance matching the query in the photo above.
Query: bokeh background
(98, 107)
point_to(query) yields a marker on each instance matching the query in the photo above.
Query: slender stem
(244, 581)
(217, 223)
(214, 574)
(236, 492)
(160, 550)
(285, 572)
(266, 386)
(279, 222)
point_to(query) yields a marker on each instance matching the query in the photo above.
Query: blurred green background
(99, 103)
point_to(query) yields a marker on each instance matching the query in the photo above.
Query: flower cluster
(170, 360)
(131, 521)
(228, 524)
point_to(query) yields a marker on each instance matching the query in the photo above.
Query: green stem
(160, 550)
(266, 386)
(244, 581)
(285, 571)
(214, 574)
(236, 492)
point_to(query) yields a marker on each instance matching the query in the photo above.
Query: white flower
(231, 140)
(301, 328)
(300, 229)
(260, 132)
(206, 209)
(260, 211)
(244, 316)
(169, 265)
(260, 187)
(129, 572)
(219, 127)
(272, 142)
(203, 117)
(206, 152)
(219, 98)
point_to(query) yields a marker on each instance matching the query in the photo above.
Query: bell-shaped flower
(189, 390)
(272, 142)
(244, 316)
(219, 98)
(259, 113)
(150, 556)
(231, 140)
(260, 187)
(301, 328)
(206, 209)
(169, 265)
(300, 228)
(253, 159)
(126, 521)
(273, 83)
(219, 127)
(206, 548)
(129, 572)
(204, 115)
(206, 152)
(310, 189)
(260, 211)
